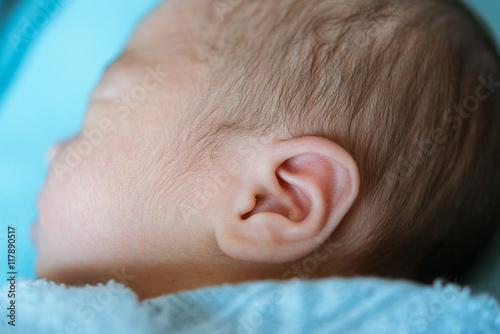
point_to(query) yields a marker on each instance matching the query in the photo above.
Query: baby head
(274, 139)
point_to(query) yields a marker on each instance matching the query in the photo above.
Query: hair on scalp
(403, 87)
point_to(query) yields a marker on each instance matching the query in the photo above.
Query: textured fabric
(361, 305)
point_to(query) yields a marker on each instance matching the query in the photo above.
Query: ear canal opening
(250, 213)
(290, 203)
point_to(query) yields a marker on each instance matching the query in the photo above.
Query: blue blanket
(361, 305)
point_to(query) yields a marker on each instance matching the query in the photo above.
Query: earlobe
(294, 197)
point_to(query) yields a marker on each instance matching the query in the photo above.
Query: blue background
(44, 103)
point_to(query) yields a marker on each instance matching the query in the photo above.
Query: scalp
(382, 79)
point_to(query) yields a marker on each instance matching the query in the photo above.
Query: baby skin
(152, 193)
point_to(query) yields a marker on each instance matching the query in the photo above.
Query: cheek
(65, 223)
(118, 204)
(76, 213)
(104, 209)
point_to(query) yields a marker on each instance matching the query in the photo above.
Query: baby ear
(294, 194)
